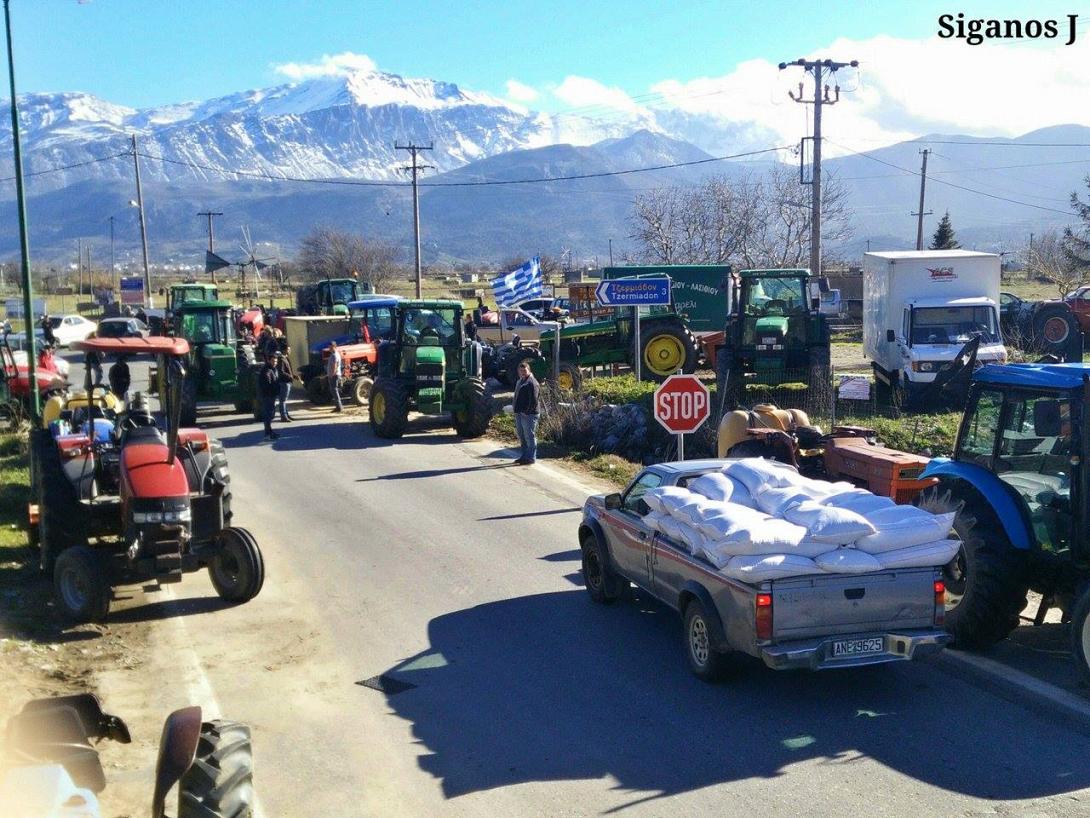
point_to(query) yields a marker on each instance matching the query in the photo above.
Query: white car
(71, 328)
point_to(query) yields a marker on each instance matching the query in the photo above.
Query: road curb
(1043, 698)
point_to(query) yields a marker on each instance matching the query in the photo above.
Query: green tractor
(429, 367)
(219, 367)
(775, 334)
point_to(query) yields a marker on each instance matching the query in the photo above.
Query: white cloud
(588, 94)
(336, 65)
(521, 92)
(905, 88)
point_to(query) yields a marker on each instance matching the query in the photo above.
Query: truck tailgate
(820, 605)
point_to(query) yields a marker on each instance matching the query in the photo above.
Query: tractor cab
(217, 364)
(181, 294)
(373, 319)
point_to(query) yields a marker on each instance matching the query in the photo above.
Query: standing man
(334, 370)
(268, 389)
(527, 392)
(93, 361)
(287, 376)
(120, 378)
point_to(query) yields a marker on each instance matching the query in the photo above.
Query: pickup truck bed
(816, 621)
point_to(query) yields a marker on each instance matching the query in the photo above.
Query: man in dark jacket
(268, 389)
(120, 378)
(527, 392)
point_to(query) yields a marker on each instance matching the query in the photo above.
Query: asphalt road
(453, 577)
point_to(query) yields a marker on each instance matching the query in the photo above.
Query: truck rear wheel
(986, 582)
(1053, 325)
(317, 392)
(706, 663)
(1080, 635)
(220, 782)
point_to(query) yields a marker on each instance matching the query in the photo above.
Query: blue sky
(148, 52)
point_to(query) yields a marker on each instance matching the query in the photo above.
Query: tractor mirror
(613, 501)
(890, 336)
(1046, 418)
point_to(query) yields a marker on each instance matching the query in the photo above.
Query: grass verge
(14, 490)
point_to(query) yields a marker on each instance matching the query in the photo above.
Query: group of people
(275, 379)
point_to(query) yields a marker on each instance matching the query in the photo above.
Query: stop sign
(682, 404)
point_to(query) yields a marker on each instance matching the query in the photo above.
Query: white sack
(676, 499)
(775, 501)
(655, 498)
(740, 494)
(847, 561)
(714, 485)
(902, 527)
(828, 524)
(756, 472)
(927, 555)
(692, 511)
(769, 536)
(653, 520)
(715, 553)
(692, 539)
(773, 566)
(809, 548)
(670, 527)
(722, 518)
(860, 501)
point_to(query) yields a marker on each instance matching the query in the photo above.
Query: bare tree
(756, 221)
(1050, 259)
(329, 253)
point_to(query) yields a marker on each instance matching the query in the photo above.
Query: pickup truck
(810, 622)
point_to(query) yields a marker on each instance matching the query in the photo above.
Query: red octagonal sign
(682, 403)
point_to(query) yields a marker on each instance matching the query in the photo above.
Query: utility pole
(113, 283)
(415, 169)
(821, 97)
(611, 252)
(143, 223)
(90, 284)
(79, 266)
(210, 214)
(921, 214)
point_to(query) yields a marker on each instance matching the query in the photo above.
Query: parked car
(71, 328)
(123, 328)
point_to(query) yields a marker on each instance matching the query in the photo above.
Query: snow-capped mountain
(343, 126)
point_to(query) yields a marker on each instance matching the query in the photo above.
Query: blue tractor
(1020, 481)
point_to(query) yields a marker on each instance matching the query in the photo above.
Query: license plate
(858, 647)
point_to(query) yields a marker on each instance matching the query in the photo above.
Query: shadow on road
(167, 609)
(551, 687)
(572, 510)
(413, 475)
(563, 556)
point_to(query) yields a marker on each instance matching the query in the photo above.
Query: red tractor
(126, 497)
(371, 323)
(15, 380)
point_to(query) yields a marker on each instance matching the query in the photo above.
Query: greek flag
(518, 285)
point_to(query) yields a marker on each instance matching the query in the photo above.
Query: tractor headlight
(155, 512)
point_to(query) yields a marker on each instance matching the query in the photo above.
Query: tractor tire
(664, 350)
(237, 570)
(1053, 326)
(1080, 634)
(220, 782)
(81, 584)
(360, 389)
(570, 377)
(986, 582)
(188, 415)
(389, 407)
(602, 584)
(706, 663)
(473, 421)
(219, 473)
(62, 520)
(317, 390)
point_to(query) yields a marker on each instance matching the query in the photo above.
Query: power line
(952, 184)
(60, 168)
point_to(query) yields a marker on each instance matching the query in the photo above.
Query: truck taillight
(763, 616)
(940, 602)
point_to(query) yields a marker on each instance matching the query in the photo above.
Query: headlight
(925, 366)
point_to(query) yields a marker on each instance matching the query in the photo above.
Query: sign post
(682, 404)
(652, 291)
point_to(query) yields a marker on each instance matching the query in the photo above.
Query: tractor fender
(996, 494)
(694, 590)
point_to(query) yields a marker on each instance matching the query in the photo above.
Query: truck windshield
(953, 325)
(773, 296)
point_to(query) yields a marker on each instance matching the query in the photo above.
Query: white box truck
(920, 307)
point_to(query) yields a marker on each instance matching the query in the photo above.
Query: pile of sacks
(759, 519)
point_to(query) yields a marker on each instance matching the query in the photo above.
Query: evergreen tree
(944, 238)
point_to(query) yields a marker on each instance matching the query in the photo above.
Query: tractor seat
(142, 434)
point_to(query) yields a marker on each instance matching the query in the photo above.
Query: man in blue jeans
(527, 392)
